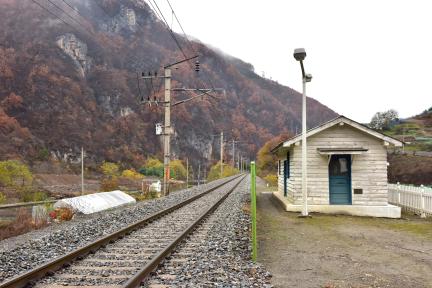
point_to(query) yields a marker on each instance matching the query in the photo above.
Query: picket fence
(411, 198)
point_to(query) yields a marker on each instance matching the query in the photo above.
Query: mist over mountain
(64, 87)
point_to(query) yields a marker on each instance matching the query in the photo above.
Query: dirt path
(342, 251)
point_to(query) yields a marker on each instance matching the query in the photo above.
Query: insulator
(142, 74)
(197, 66)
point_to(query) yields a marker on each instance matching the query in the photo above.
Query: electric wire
(172, 34)
(188, 40)
(56, 16)
(76, 21)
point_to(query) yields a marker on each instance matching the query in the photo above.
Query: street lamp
(300, 55)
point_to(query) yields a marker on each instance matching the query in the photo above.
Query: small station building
(346, 170)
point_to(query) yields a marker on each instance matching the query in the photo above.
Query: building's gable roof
(333, 122)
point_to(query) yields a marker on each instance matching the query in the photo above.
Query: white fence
(411, 198)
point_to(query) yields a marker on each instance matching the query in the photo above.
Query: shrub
(177, 170)
(131, 174)
(2, 198)
(215, 171)
(30, 195)
(152, 171)
(109, 169)
(43, 154)
(14, 174)
(152, 167)
(109, 184)
(271, 179)
(153, 163)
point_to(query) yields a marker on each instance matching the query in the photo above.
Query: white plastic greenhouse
(96, 202)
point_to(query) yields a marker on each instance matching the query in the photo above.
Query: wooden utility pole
(205, 174)
(187, 173)
(233, 153)
(199, 173)
(221, 153)
(82, 170)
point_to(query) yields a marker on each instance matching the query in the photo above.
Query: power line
(73, 8)
(76, 21)
(157, 13)
(172, 33)
(187, 39)
(55, 15)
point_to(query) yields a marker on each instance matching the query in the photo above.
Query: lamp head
(300, 54)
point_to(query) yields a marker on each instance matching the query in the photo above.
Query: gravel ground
(135, 248)
(218, 253)
(21, 253)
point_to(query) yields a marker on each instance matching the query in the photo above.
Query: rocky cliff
(64, 87)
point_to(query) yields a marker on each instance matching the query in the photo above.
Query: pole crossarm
(204, 92)
(181, 61)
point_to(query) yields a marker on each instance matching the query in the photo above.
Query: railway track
(126, 258)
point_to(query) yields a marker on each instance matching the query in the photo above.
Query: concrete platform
(388, 211)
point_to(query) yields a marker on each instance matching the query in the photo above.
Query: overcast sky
(365, 56)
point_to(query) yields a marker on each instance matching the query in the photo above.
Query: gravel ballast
(24, 252)
(218, 253)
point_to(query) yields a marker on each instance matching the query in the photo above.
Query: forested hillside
(63, 87)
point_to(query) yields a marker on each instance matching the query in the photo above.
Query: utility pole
(221, 153)
(82, 170)
(167, 129)
(199, 173)
(187, 173)
(205, 175)
(233, 153)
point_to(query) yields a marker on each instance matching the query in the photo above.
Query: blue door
(286, 177)
(340, 179)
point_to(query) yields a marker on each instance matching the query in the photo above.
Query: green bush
(30, 195)
(151, 171)
(43, 154)
(2, 198)
(14, 174)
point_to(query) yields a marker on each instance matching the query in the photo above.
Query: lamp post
(300, 55)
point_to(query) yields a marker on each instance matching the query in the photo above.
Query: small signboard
(158, 128)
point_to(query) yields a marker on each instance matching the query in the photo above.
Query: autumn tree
(228, 170)
(152, 167)
(131, 174)
(177, 170)
(110, 169)
(14, 174)
(110, 180)
(266, 160)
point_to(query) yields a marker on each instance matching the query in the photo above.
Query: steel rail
(140, 276)
(29, 278)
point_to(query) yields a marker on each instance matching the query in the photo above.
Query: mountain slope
(62, 88)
